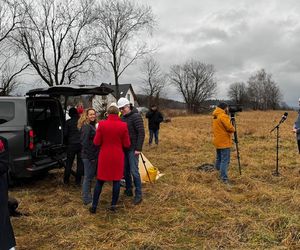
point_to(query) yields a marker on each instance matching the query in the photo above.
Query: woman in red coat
(112, 137)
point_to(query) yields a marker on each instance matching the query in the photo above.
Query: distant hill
(162, 102)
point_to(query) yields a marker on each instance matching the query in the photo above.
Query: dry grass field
(186, 208)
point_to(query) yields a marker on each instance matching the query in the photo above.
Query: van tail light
(31, 139)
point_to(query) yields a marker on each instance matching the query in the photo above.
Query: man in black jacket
(72, 140)
(7, 238)
(154, 120)
(137, 135)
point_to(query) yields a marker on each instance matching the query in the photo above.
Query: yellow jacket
(222, 129)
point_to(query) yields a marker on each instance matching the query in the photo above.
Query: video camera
(234, 108)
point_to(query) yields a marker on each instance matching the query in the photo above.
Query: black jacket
(154, 119)
(136, 130)
(71, 132)
(7, 238)
(88, 149)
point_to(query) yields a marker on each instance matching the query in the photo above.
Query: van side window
(7, 112)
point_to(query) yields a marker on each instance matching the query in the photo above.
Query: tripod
(232, 119)
(276, 172)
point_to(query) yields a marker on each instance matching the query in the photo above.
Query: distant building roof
(123, 88)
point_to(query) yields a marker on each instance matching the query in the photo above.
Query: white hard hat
(122, 102)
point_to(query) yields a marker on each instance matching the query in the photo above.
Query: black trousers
(7, 238)
(72, 151)
(98, 189)
(298, 145)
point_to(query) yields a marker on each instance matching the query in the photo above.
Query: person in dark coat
(137, 135)
(296, 128)
(7, 238)
(154, 119)
(72, 140)
(112, 136)
(89, 152)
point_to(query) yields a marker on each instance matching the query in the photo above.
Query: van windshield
(7, 112)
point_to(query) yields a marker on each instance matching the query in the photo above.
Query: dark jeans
(131, 171)
(72, 151)
(298, 145)
(90, 168)
(222, 162)
(155, 133)
(98, 189)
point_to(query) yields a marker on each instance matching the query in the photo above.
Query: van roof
(12, 97)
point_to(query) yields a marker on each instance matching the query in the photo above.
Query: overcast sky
(238, 37)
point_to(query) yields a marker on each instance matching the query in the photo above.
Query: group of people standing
(109, 149)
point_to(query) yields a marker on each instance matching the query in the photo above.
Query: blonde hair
(83, 119)
(113, 110)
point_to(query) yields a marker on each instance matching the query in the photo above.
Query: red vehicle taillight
(31, 139)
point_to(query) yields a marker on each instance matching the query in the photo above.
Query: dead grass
(186, 208)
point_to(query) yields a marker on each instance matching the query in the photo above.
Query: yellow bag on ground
(152, 171)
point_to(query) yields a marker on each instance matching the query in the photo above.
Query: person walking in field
(222, 139)
(137, 135)
(7, 238)
(296, 128)
(112, 136)
(154, 119)
(89, 152)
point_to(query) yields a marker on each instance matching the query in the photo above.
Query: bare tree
(10, 67)
(263, 91)
(238, 93)
(195, 81)
(154, 80)
(119, 25)
(9, 21)
(9, 71)
(55, 37)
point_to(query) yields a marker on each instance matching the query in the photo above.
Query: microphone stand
(232, 119)
(276, 172)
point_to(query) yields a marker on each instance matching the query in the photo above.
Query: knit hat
(222, 105)
(73, 112)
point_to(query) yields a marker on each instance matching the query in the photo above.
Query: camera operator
(222, 139)
(296, 128)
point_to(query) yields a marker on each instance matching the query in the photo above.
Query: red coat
(112, 136)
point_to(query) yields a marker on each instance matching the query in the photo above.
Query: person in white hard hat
(137, 135)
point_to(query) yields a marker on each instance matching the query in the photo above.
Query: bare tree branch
(120, 22)
(55, 37)
(195, 81)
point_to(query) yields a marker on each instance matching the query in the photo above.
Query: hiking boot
(128, 192)
(137, 200)
(112, 208)
(92, 210)
(87, 202)
(227, 182)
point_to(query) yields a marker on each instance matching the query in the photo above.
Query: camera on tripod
(234, 108)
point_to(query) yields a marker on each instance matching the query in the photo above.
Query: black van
(33, 126)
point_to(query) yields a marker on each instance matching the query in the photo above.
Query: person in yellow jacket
(222, 139)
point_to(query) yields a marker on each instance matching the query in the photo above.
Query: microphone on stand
(284, 117)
